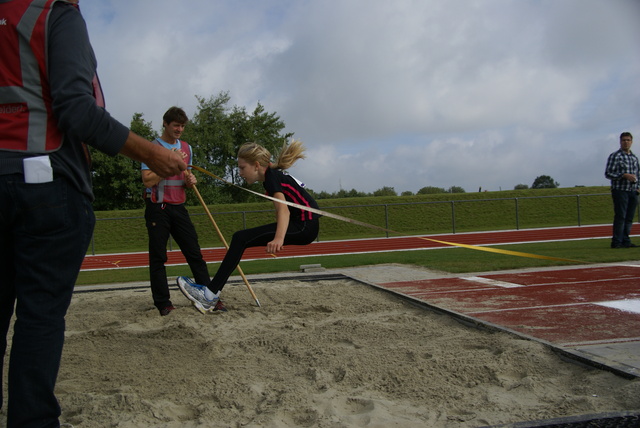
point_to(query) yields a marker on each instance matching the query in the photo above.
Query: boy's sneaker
(195, 293)
(219, 307)
(166, 310)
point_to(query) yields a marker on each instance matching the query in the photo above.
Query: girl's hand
(274, 246)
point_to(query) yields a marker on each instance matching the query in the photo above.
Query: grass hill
(125, 231)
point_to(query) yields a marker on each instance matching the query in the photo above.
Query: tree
(544, 182)
(455, 189)
(430, 190)
(406, 193)
(385, 191)
(521, 187)
(322, 195)
(116, 180)
(216, 132)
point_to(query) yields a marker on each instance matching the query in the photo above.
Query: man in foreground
(50, 105)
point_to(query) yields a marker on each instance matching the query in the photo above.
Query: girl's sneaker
(195, 293)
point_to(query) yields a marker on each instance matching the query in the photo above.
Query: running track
(131, 260)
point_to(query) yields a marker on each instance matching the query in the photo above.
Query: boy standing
(165, 214)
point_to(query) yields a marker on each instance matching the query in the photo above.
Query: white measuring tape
(372, 226)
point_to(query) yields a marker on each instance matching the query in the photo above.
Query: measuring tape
(372, 226)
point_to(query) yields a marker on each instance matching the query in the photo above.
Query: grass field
(125, 231)
(478, 211)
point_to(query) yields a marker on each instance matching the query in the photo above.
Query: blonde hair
(289, 154)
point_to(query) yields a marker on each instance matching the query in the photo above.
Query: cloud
(402, 94)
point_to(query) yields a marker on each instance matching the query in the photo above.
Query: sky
(479, 94)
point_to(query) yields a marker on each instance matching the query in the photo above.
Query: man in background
(50, 105)
(622, 170)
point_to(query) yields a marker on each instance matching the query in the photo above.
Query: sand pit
(320, 353)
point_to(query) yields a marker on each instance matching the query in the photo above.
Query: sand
(318, 353)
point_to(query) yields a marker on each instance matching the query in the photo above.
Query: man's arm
(612, 171)
(71, 70)
(164, 162)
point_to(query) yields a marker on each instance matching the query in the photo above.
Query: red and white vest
(171, 190)
(27, 123)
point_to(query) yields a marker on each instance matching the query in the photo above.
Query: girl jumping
(293, 226)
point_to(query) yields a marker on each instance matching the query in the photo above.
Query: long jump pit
(379, 346)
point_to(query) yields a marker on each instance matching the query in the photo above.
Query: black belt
(11, 166)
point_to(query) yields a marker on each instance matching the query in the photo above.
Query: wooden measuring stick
(215, 225)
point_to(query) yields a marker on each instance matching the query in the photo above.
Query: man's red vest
(171, 190)
(27, 123)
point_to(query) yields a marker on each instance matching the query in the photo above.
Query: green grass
(125, 231)
(453, 260)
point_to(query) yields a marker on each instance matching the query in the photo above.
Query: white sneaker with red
(196, 293)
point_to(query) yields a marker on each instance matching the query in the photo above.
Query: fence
(128, 234)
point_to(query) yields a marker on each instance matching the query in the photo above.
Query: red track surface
(559, 306)
(127, 260)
